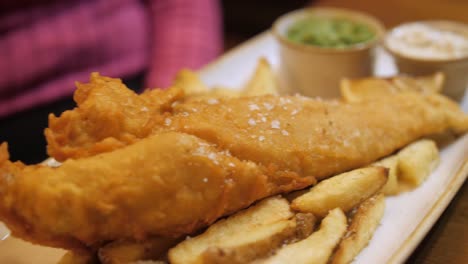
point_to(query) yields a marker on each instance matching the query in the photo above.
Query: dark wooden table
(447, 241)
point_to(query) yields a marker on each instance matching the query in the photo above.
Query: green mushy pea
(329, 32)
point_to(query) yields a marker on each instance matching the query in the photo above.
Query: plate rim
(210, 66)
(438, 207)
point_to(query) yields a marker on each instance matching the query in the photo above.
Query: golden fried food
(263, 80)
(190, 83)
(124, 251)
(246, 236)
(315, 249)
(305, 225)
(266, 129)
(168, 184)
(416, 161)
(243, 236)
(254, 244)
(311, 137)
(344, 191)
(183, 166)
(110, 116)
(113, 116)
(410, 166)
(355, 90)
(391, 163)
(80, 257)
(364, 222)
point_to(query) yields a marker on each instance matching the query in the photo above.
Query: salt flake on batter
(275, 124)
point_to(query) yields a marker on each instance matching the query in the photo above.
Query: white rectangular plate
(409, 216)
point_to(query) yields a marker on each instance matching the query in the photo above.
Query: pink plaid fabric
(44, 49)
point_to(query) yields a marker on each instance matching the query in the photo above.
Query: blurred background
(243, 18)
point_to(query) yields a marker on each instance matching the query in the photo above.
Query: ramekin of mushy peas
(320, 46)
(323, 32)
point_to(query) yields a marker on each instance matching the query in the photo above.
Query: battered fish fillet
(313, 137)
(109, 116)
(205, 160)
(168, 184)
(291, 133)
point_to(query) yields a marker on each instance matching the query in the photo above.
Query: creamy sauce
(424, 41)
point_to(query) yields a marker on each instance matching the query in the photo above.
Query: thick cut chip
(262, 82)
(127, 251)
(305, 225)
(391, 163)
(410, 167)
(364, 222)
(266, 212)
(318, 247)
(148, 262)
(417, 161)
(78, 258)
(363, 89)
(250, 245)
(344, 191)
(189, 82)
(357, 90)
(426, 84)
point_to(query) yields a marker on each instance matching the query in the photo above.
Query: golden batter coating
(169, 184)
(109, 116)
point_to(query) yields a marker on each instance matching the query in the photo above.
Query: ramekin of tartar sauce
(429, 46)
